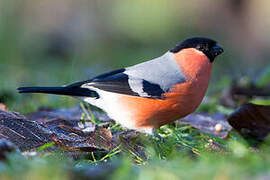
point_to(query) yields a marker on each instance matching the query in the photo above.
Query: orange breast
(183, 98)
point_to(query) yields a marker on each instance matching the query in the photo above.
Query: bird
(148, 95)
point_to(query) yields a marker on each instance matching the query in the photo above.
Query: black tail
(69, 91)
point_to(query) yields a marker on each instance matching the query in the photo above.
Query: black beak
(216, 50)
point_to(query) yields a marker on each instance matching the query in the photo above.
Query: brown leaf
(28, 134)
(213, 124)
(251, 121)
(100, 139)
(70, 133)
(22, 132)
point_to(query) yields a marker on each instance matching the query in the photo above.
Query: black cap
(208, 46)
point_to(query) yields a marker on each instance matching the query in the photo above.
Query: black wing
(119, 82)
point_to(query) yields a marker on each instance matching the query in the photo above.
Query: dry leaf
(65, 133)
(23, 133)
(99, 139)
(251, 120)
(215, 124)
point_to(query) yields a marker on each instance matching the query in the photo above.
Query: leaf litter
(58, 127)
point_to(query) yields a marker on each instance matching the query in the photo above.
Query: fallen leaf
(28, 134)
(215, 124)
(70, 133)
(99, 139)
(251, 121)
(23, 133)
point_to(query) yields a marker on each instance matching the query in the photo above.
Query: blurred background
(51, 43)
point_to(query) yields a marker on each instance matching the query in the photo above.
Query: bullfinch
(150, 94)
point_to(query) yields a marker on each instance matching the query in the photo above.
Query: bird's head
(208, 46)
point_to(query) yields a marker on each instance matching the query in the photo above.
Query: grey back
(163, 71)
